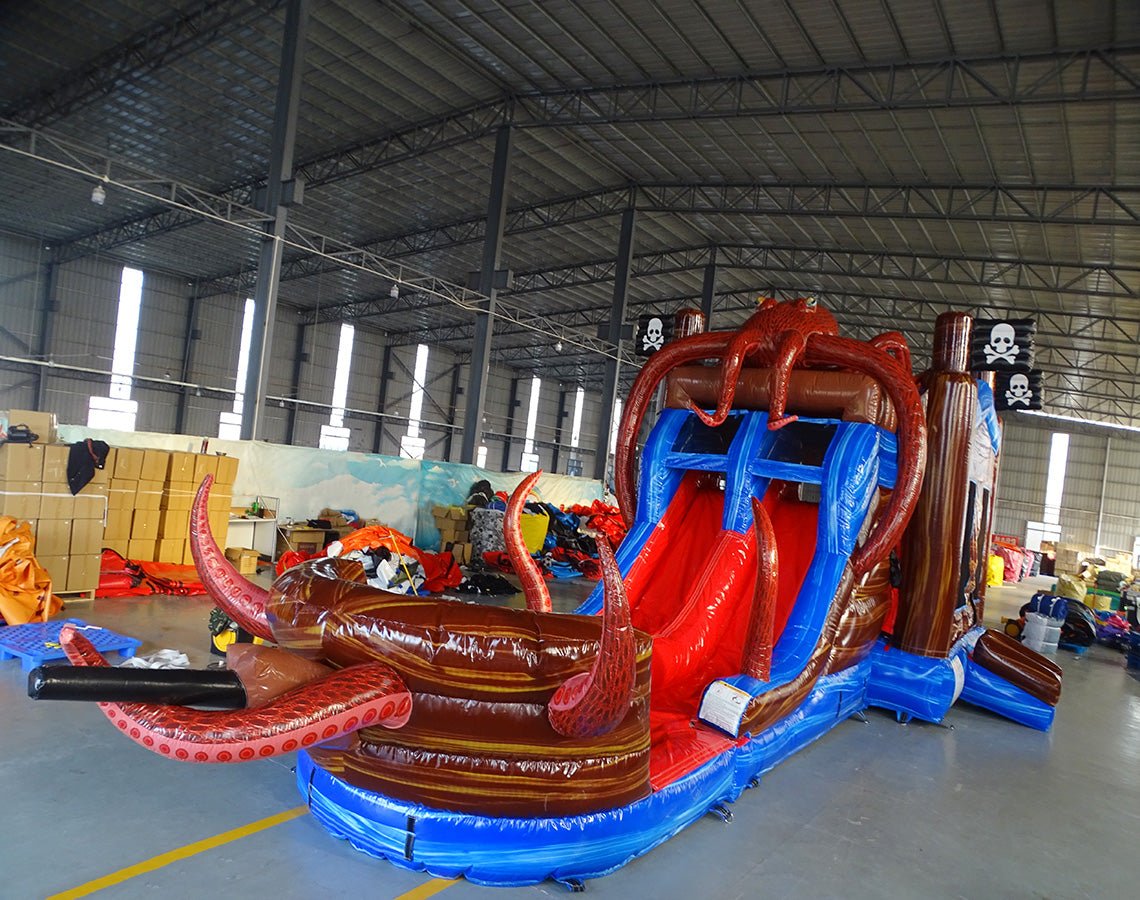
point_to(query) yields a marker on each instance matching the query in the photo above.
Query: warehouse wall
(21, 293)
(82, 330)
(1102, 463)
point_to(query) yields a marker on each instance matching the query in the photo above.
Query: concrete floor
(983, 809)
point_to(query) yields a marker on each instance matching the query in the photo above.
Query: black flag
(1018, 390)
(653, 332)
(1002, 345)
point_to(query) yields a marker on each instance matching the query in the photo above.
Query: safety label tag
(723, 707)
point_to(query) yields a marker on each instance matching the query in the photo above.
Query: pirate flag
(1002, 345)
(1017, 390)
(652, 334)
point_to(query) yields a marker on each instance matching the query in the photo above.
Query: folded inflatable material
(995, 570)
(1020, 666)
(218, 688)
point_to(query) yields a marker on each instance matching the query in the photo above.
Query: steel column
(47, 320)
(559, 430)
(280, 171)
(512, 402)
(622, 269)
(708, 290)
(382, 399)
(295, 385)
(453, 402)
(187, 361)
(484, 321)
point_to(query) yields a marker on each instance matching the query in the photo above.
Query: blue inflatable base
(517, 851)
(926, 688)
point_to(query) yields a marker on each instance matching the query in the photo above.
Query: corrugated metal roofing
(979, 154)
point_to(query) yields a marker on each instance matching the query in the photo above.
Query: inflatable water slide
(808, 528)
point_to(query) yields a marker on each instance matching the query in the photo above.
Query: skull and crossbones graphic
(1002, 345)
(1019, 391)
(654, 337)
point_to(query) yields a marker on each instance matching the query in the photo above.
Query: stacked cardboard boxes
(68, 529)
(454, 531)
(151, 492)
(184, 473)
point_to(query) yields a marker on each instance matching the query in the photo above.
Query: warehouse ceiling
(895, 158)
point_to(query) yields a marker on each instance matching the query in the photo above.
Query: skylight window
(118, 410)
(614, 424)
(1055, 480)
(576, 430)
(412, 445)
(229, 423)
(334, 436)
(529, 457)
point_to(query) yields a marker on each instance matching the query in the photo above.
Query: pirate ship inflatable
(750, 609)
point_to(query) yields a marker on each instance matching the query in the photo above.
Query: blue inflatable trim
(503, 851)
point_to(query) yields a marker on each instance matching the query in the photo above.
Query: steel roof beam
(160, 44)
(982, 272)
(1075, 76)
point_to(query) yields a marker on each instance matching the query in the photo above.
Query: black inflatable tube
(218, 688)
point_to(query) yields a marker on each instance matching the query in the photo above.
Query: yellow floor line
(428, 889)
(165, 859)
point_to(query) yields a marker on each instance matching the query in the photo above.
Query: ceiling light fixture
(395, 292)
(98, 195)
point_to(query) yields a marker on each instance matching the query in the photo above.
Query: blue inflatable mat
(38, 642)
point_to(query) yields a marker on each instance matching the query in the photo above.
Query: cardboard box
(177, 498)
(121, 493)
(90, 506)
(141, 550)
(83, 572)
(43, 424)
(20, 500)
(169, 550)
(220, 501)
(307, 540)
(59, 504)
(118, 527)
(227, 470)
(53, 537)
(220, 526)
(57, 568)
(148, 495)
(119, 545)
(180, 468)
(128, 464)
(21, 462)
(187, 556)
(55, 465)
(144, 525)
(204, 465)
(244, 559)
(86, 536)
(155, 465)
(173, 524)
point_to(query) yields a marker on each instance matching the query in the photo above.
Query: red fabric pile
(122, 577)
(603, 518)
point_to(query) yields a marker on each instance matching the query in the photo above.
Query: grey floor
(983, 809)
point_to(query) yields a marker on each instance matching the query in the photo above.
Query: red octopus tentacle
(533, 584)
(593, 703)
(343, 702)
(762, 626)
(894, 344)
(742, 343)
(825, 349)
(240, 599)
(789, 348)
(677, 353)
